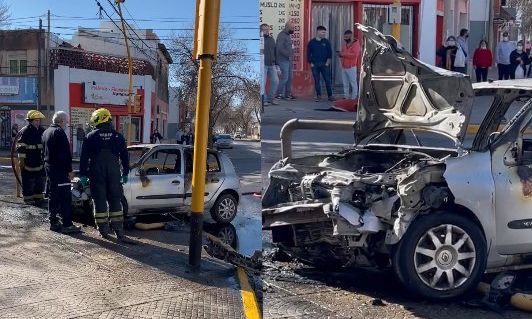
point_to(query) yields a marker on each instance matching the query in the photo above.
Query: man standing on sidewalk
(284, 58)
(29, 149)
(463, 43)
(319, 54)
(350, 58)
(270, 64)
(502, 56)
(58, 166)
(80, 137)
(103, 152)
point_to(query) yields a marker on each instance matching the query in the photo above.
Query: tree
(524, 8)
(4, 14)
(232, 74)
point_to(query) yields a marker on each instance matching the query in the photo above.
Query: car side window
(213, 164)
(163, 162)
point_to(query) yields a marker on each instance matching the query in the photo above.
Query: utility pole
(130, 73)
(396, 27)
(205, 50)
(47, 62)
(39, 65)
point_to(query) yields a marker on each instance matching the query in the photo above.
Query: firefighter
(102, 154)
(29, 149)
(58, 166)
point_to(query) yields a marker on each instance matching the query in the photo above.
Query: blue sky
(241, 16)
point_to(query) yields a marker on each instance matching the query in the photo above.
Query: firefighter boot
(104, 231)
(118, 227)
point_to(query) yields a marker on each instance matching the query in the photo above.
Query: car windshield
(136, 153)
(224, 136)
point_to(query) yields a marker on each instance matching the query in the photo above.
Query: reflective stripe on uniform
(38, 196)
(21, 145)
(101, 221)
(21, 155)
(115, 214)
(64, 184)
(33, 169)
(116, 219)
(100, 215)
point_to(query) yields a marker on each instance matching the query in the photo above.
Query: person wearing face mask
(482, 61)
(519, 61)
(462, 42)
(447, 54)
(350, 59)
(270, 65)
(502, 57)
(285, 58)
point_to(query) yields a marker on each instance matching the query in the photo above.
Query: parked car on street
(223, 141)
(160, 181)
(438, 216)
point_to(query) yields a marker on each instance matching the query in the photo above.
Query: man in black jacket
(29, 149)
(102, 154)
(319, 55)
(58, 166)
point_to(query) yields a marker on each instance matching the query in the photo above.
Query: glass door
(136, 128)
(377, 16)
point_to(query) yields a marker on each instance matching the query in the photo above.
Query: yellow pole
(130, 73)
(205, 49)
(396, 27)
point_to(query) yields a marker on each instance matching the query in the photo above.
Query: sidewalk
(48, 275)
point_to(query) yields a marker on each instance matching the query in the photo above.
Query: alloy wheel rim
(226, 236)
(227, 208)
(444, 257)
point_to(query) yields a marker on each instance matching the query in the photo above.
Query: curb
(251, 307)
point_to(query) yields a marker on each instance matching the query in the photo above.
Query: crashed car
(439, 214)
(160, 180)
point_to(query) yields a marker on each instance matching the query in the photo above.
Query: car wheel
(227, 234)
(441, 256)
(224, 209)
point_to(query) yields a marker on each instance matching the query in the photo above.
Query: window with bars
(18, 66)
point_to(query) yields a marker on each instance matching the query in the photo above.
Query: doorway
(337, 18)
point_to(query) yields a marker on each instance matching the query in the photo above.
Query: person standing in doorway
(179, 136)
(319, 54)
(463, 42)
(518, 62)
(80, 137)
(350, 59)
(58, 166)
(447, 54)
(482, 61)
(271, 69)
(502, 57)
(285, 59)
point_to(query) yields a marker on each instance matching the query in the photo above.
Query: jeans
(504, 71)
(285, 83)
(349, 79)
(270, 74)
(325, 71)
(79, 146)
(60, 197)
(482, 74)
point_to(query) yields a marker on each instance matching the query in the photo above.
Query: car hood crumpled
(401, 92)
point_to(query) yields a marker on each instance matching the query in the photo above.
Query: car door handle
(176, 182)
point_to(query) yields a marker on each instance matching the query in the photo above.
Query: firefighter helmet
(34, 115)
(100, 116)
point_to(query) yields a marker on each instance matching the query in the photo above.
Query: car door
(213, 178)
(512, 174)
(159, 182)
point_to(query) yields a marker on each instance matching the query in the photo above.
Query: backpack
(460, 58)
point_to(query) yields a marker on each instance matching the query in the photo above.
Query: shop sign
(79, 116)
(276, 13)
(18, 90)
(102, 93)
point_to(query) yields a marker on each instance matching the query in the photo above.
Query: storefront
(79, 92)
(337, 16)
(18, 95)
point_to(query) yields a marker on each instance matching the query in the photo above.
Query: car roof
(167, 145)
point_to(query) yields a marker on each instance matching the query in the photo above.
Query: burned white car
(438, 214)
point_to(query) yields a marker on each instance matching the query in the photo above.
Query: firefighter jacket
(56, 148)
(104, 139)
(29, 148)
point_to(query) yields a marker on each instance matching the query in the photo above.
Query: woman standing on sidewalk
(482, 61)
(447, 54)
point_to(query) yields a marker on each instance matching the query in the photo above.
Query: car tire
(433, 264)
(224, 209)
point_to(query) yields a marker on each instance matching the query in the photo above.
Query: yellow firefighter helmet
(100, 116)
